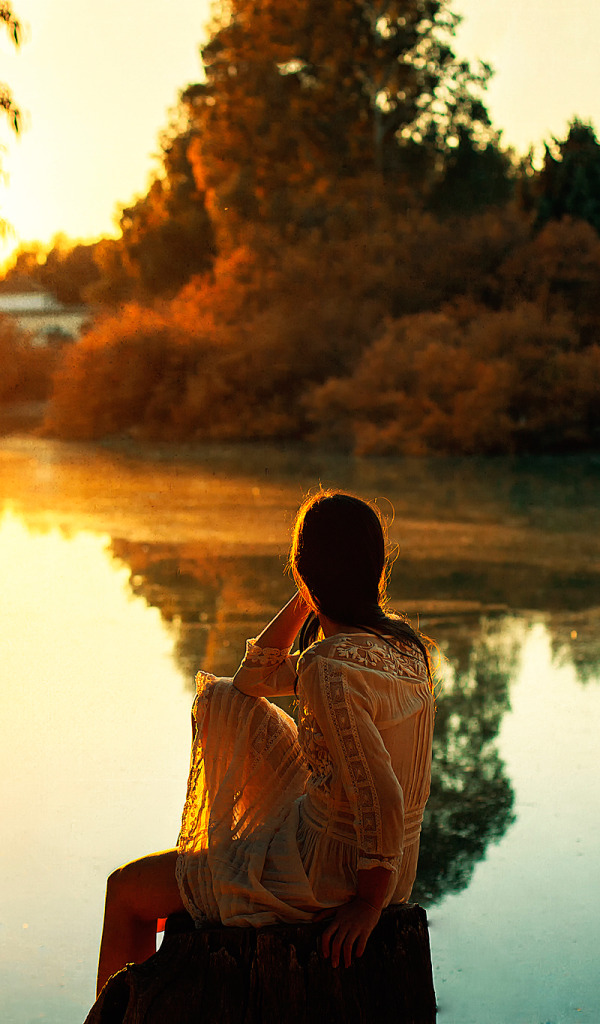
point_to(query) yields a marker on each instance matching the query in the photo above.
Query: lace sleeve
(266, 671)
(341, 705)
(256, 657)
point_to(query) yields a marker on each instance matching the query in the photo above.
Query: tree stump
(275, 975)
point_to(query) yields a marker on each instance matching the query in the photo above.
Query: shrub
(128, 372)
(496, 382)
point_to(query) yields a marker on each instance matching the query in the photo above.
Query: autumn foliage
(338, 249)
(421, 336)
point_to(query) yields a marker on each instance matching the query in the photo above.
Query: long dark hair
(338, 561)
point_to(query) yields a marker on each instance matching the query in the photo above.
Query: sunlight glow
(95, 84)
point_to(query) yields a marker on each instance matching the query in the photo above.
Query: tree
(26, 368)
(301, 98)
(474, 177)
(473, 381)
(569, 182)
(167, 236)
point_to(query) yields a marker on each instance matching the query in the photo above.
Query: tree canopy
(301, 99)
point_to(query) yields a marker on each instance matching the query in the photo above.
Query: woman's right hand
(349, 931)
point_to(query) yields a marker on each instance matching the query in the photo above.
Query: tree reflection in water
(216, 602)
(471, 798)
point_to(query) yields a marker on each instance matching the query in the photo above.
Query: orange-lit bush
(506, 381)
(128, 373)
(413, 336)
(230, 357)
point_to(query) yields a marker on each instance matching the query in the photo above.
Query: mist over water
(122, 575)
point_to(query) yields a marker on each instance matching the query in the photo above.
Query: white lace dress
(278, 819)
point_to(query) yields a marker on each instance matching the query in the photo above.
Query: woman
(293, 824)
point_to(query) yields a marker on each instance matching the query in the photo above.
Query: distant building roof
(38, 301)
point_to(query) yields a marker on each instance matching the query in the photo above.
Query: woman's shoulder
(369, 651)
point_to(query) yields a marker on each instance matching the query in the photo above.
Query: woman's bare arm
(280, 632)
(282, 629)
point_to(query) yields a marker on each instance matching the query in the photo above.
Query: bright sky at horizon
(96, 83)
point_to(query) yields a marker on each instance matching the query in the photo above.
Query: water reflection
(144, 573)
(575, 640)
(471, 798)
(213, 601)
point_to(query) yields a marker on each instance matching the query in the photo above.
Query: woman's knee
(145, 888)
(120, 886)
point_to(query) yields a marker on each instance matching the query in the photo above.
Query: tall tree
(300, 98)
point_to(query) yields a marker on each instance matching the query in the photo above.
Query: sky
(96, 83)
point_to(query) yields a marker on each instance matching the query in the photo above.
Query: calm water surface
(121, 575)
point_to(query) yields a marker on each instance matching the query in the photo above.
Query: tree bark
(275, 975)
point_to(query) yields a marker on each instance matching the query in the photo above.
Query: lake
(122, 572)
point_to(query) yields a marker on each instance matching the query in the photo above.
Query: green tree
(475, 176)
(301, 98)
(569, 183)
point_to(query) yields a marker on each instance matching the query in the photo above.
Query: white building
(43, 316)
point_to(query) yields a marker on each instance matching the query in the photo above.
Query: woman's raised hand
(349, 930)
(282, 629)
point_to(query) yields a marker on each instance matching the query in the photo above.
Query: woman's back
(365, 724)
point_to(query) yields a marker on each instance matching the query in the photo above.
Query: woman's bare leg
(137, 894)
